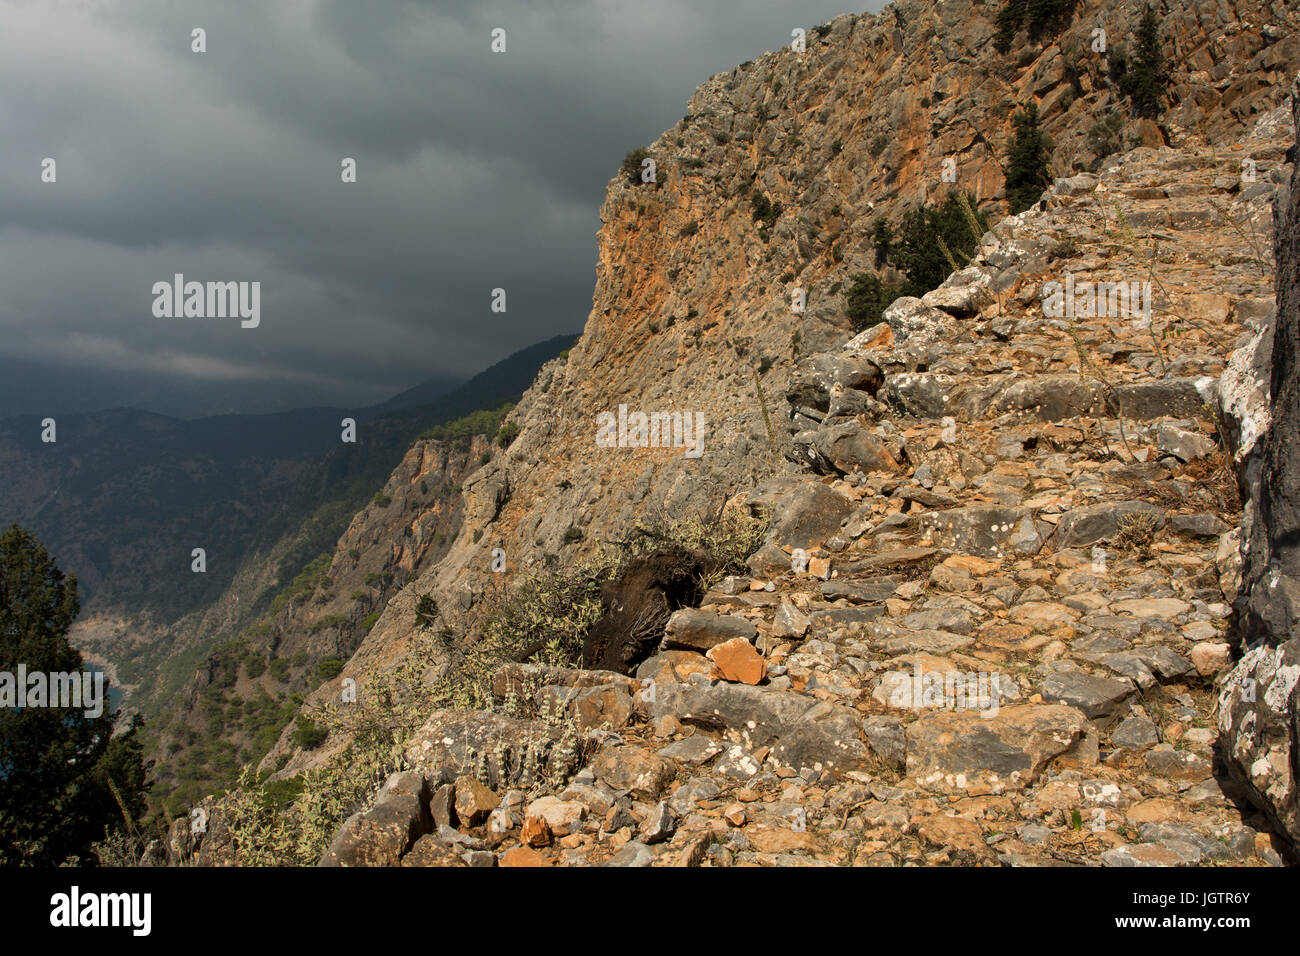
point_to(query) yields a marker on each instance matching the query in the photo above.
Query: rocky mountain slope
(692, 307)
(995, 590)
(1002, 652)
(246, 688)
(124, 496)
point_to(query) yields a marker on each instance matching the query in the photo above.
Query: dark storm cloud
(475, 170)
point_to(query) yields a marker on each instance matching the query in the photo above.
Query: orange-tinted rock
(522, 856)
(536, 832)
(737, 661)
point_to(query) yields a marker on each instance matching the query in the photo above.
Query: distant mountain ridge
(123, 496)
(30, 387)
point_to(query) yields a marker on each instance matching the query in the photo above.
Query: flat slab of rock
(691, 629)
(984, 530)
(1144, 855)
(1164, 608)
(1095, 696)
(859, 592)
(634, 769)
(965, 751)
(737, 660)
(1089, 524)
(800, 730)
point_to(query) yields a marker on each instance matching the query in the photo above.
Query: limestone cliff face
(1260, 707)
(692, 309)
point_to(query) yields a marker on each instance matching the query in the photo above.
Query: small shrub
(632, 165)
(307, 734)
(765, 212)
(329, 668)
(1105, 137)
(866, 300)
(426, 611)
(1137, 532)
(507, 433)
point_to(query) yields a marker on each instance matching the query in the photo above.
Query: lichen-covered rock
(1260, 701)
(380, 835)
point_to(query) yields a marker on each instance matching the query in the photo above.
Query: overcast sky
(475, 170)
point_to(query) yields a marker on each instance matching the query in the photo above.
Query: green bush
(459, 432)
(507, 433)
(931, 241)
(369, 621)
(327, 622)
(307, 734)
(765, 212)
(867, 299)
(254, 665)
(381, 499)
(313, 576)
(329, 668)
(426, 610)
(632, 167)
(1105, 136)
(882, 240)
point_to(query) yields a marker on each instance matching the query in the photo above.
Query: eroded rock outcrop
(1260, 711)
(997, 574)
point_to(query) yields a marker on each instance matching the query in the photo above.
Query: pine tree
(882, 239)
(866, 300)
(1027, 159)
(926, 232)
(1145, 80)
(58, 767)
